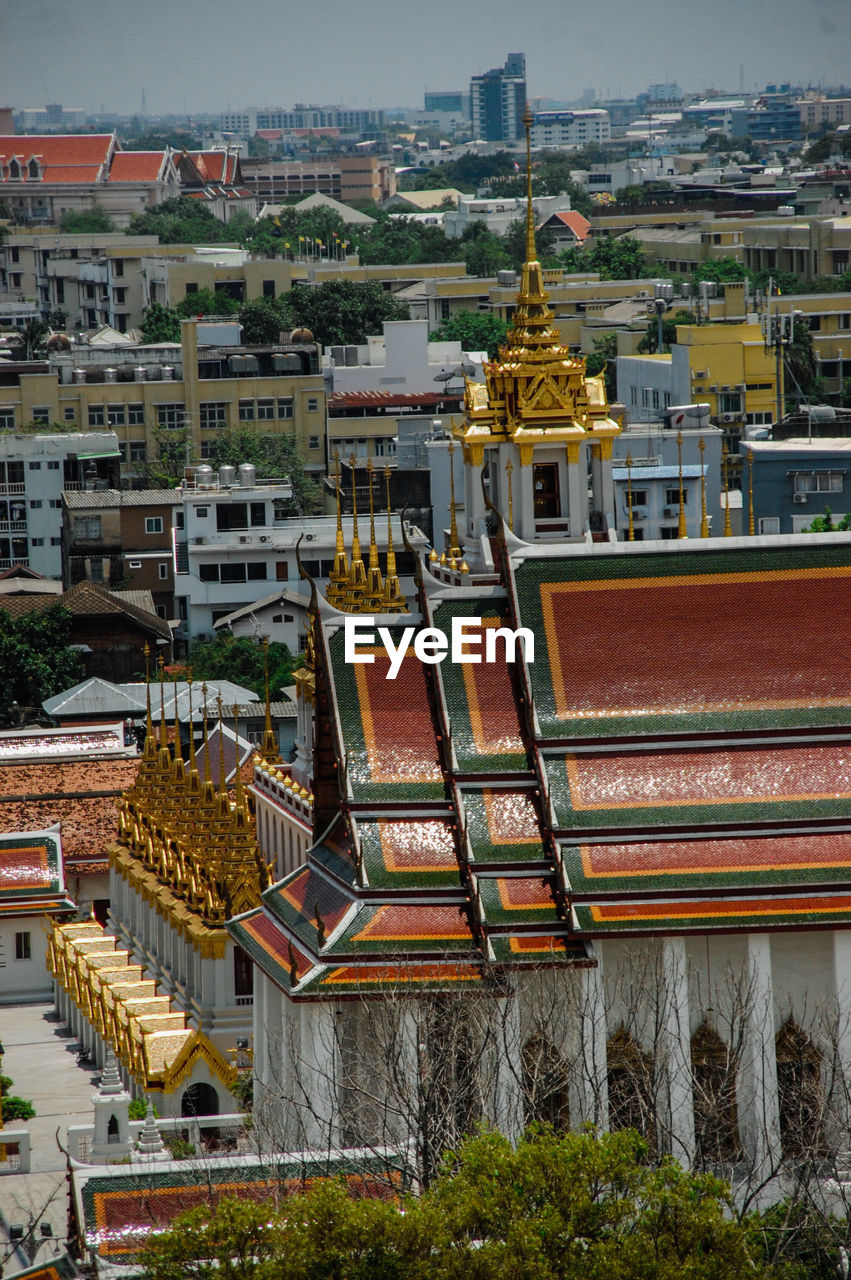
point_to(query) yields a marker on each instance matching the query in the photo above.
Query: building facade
(498, 100)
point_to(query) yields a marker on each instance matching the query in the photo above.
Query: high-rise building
(498, 100)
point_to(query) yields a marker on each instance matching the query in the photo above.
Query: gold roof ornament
(682, 531)
(751, 521)
(374, 592)
(728, 528)
(535, 391)
(454, 548)
(338, 578)
(509, 467)
(631, 534)
(270, 741)
(356, 585)
(704, 522)
(393, 600)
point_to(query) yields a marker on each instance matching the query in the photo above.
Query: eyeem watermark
(432, 645)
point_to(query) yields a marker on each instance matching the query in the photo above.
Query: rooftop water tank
(227, 476)
(247, 475)
(204, 475)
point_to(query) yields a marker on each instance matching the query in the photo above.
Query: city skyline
(200, 57)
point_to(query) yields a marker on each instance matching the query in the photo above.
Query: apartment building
(498, 101)
(35, 469)
(361, 176)
(570, 128)
(802, 246)
(198, 389)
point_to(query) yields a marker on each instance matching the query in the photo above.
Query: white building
(401, 359)
(498, 213)
(570, 128)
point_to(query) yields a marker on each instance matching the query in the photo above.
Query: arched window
(112, 1129)
(630, 1075)
(33, 170)
(545, 1085)
(799, 1092)
(200, 1100)
(716, 1124)
(14, 170)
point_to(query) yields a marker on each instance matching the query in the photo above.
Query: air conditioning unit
(729, 417)
(638, 515)
(199, 542)
(245, 537)
(264, 537)
(700, 373)
(670, 513)
(799, 497)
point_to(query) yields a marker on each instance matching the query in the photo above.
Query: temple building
(603, 876)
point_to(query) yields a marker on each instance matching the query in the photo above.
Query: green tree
(206, 302)
(342, 311)
(32, 336)
(274, 455)
(826, 524)
(475, 330)
(617, 258)
(241, 660)
(86, 221)
(720, 270)
(160, 324)
(262, 320)
(37, 660)
(650, 341)
(181, 220)
(484, 251)
(602, 360)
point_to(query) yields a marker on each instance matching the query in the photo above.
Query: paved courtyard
(40, 1056)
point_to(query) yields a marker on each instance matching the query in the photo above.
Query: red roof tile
(137, 166)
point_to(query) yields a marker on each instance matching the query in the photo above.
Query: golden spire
(631, 534)
(531, 327)
(208, 780)
(682, 531)
(751, 521)
(178, 754)
(339, 576)
(194, 781)
(224, 798)
(270, 742)
(240, 797)
(454, 548)
(149, 723)
(509, 467)
(374, 592)
(728, 528)
(356, 585)
(531, 250)
(394, 601)
(163, 729)
(704, 523)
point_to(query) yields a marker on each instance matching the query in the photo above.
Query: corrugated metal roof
(84, 499)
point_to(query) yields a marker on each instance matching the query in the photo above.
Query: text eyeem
(432, 645)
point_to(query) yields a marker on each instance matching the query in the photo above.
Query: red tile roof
(61, 157)
(579, 225)
(81, 796)
(137, 166)
(385, 399)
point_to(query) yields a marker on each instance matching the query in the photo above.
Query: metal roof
(83, 499)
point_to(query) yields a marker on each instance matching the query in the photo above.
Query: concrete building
(574, 129)
(362, 176)
(795, 480)
(498, 213)
(35, 469)
(803, 247)
(32, 890)
(498, 101)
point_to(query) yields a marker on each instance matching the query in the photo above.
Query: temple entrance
(200, 1100)
(546, 488)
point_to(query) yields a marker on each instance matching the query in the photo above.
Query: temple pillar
(757, 1093)
(589, 1090)
(674, 1050)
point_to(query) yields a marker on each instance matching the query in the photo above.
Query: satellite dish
(444, 377)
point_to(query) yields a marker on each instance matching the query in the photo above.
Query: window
(672, 497)
(41, 417)
(35, 503)
(70, 415)
(268, 288)
(55, 542)
(191, 287)
(34, 466)
(232, 573)
(257, 572)
(96, 569)
(668, 533)
(444, 308)
(208, 572)
(819, 482)
(118, 266)
(135, 415)
(312, 404)
(53, 466)
(202, 512)
(639, 498)
(170, 416)
(258, 514)
(37, 542)
(87, 528)
(163, 569)
(153, 524)
(265, 410)
(282, 571)
(97, 415)
(7, 420)
(285, 407)
(246, 410)
(212, 414)
(313, 442)
(134, 564)
(22, 946)
(730, 402)
(55, 503)
(138, 452)
(769, 524)
(119, 296)
(117, 414)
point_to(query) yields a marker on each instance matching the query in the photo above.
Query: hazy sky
(206, 55)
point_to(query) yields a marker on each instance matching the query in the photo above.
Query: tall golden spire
(682, 531)
(532, 329)
(149, 723)
(208, 779)
(394, 601)
(163, 729)
(270, 742)
(509, 467)
(356, 585)
(631, 534)
(338, 579)
(454, 548)
(194, 780)
(374, 593)
(704, 523)
(728, 528)
(751, 521)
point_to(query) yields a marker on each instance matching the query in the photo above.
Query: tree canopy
(241, 660)
(86, 221)
(36, 659)
(475, 330)
(181, 220)
(342, 311)
(573, 1207)
(274, 455)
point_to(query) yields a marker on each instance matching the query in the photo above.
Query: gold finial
(339, 576)
(223, 781)
(356, 585)
(509, 467)
(394, 601)
(239, 795)
(207, 774)
(531, 251)
(631, 534)
(682, 531)
(163, 729)
(149, 723)
(454, 548)
(704, 523)
(270, 742)
(751, 521)
(374, 585)
(728, 528)
(178, 753)
(193, 764)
